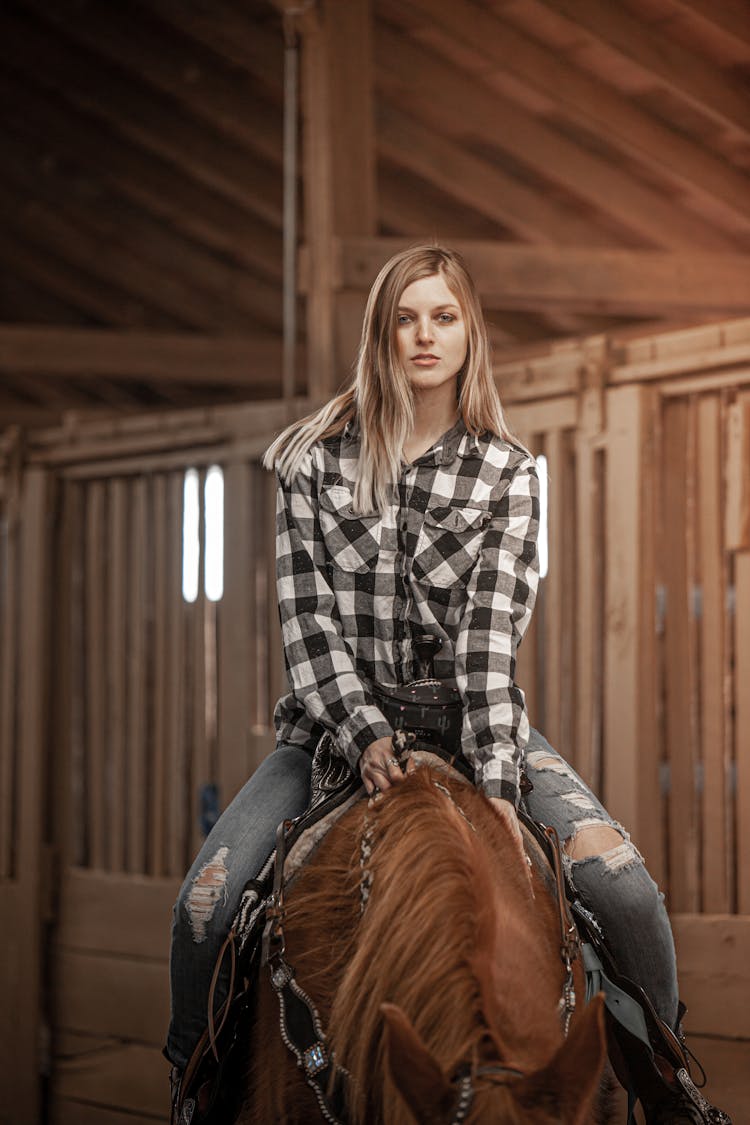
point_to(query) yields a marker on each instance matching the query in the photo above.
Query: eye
(403, 318)
(446, 318)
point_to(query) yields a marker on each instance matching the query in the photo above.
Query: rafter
(229, 104)
(150, 122)
(685, 72)
(732, 16)
(620, 282)
(69, 134)
(471, 108)
(593, 103)
(143, 356)
(475, 182)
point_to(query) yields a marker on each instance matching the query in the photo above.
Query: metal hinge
(660, 609)
(697, 601)
(665, 778)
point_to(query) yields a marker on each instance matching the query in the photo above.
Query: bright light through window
(541, 464)
(214, 514)
(190, 537)
(213, 527)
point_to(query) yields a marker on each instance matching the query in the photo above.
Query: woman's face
(431, 333)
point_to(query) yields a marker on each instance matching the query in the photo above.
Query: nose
(424, 329)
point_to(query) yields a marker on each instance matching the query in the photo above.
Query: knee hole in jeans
(208, 888)
(599, 840)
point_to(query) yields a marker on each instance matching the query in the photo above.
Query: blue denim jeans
(234, 852)
(615, 886)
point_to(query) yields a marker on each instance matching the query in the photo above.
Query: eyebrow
(437, 308)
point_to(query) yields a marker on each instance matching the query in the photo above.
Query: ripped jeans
(614, 886)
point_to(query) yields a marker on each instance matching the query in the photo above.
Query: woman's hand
(506, 811)
(380, 768)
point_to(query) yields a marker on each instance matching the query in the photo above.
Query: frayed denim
(615, 886)
(234, 852)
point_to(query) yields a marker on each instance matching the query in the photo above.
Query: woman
(406, 507)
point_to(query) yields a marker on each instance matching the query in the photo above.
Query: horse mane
(449, 915)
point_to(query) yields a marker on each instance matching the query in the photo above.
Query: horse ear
(415, 1073)
(574, 1072)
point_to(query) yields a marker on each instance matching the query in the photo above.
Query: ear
(415, 1073)
(572, 1076)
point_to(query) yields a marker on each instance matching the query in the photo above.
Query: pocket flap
(457, 519)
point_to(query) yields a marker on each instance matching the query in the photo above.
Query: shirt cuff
(499, 777)
(365, 725)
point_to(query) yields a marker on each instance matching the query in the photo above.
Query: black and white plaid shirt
(455, 556)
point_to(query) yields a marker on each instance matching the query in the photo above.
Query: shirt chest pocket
(352, 540)
(449, 544)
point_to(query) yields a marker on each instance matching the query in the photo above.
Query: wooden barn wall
(121, 701)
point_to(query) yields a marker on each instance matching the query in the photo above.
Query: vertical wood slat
(177, 818)
(553, 592)
(8, 668)
(197, 747)
(236, 682)
(587, 577)
(568, 611)
(622, 535)
(716, 895)
(97, 805)
(160, 780)
(742, 729)
(114, 705)
(651, 824)
(683, 828)
(143, 783)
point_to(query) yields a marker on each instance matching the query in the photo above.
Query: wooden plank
(626, 282)
(716, 1000)
(22, 961)
(123, 1076)
(652, 830)
(532, 215)
(454, 97)
(688, 74)
(716, 798)
(137, 992)
(622, 537)
(9, 580)
(96, 807)
(676, 578)
(236, 686)
(116, 664)
(177, 812)
(161, 783)
(144, 781)
(97, 911)
(195, 702)
(138, 355)
(737, 523)
(593, 103)
(553, 592)
(742, 725)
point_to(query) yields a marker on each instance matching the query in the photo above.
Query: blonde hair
(380, 398)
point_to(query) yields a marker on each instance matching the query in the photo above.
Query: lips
(425, 360)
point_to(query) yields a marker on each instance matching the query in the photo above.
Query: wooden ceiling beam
(67, 134)
(131, 249)
(226, 102)
(620, 282)
(593, 103)
(686, 73)
(151, 122)
(149, 357)
(467, 107)
(410, 206)
(475, 182)
(229, 32)
(731, 16)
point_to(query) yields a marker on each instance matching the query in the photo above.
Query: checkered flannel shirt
(455, 555)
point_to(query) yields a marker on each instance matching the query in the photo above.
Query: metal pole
(291, 112)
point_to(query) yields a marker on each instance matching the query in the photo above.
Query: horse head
(562, 1092)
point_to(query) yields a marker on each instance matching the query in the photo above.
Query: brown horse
(452, 966)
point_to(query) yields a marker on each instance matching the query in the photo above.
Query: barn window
(209, 537)
(541, 463)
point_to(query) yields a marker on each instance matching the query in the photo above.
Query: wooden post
(339, 177)
(21, 896)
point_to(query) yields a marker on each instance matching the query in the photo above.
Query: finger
(411, 765)
(395, 773)
(378, 772)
